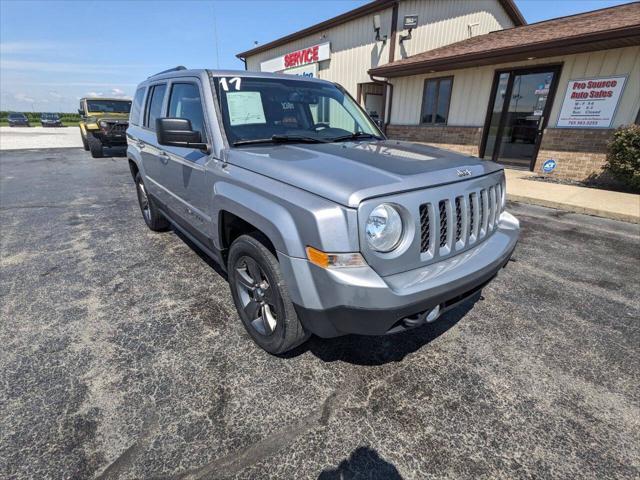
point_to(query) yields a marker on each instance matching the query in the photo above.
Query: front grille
(475, 216)
(119, 128)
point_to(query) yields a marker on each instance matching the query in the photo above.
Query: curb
(575, 208)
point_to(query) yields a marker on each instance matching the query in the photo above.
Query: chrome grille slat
(453, 224)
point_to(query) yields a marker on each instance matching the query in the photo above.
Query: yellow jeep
(103, 123)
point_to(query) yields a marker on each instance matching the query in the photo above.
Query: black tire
(152, 217)
(287, 333)
(95, 146)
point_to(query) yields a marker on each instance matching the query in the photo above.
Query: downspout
(392, 55)
(389, 89)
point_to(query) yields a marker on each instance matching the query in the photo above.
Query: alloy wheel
(257, 297)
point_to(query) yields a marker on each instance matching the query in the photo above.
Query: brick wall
(579, 153)
(464, 140)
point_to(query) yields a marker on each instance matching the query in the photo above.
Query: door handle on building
(541, 124)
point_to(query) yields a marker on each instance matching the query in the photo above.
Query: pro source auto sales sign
(591, 102)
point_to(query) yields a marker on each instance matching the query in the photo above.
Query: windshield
(265, 110)
(51, 116)
(109, 106)
(17, 115)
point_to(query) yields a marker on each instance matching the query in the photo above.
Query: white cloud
(117, 92)
(22, 97)
(56, 95)
(94, 94)
(8, 48)
(69, 68)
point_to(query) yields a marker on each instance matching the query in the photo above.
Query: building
(472, 76)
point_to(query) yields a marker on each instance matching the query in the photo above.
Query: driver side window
(185, 102)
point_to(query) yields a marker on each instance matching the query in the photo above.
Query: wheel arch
(238, 208)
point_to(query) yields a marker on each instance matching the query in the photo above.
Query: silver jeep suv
(323, 225)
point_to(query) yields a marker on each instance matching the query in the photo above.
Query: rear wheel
(95, 145)
(261, 296)
(152, 217)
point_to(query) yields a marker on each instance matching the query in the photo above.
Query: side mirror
(80, 112)
(178, 132)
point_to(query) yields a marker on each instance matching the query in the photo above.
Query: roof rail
(174, 69)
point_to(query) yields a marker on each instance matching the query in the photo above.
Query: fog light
(433, 315)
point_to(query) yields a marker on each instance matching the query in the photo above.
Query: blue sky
(53, 52)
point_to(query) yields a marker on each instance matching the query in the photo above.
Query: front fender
(266, 215)
(292, 218)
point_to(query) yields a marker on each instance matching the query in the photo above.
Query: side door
(150, 152)
(187, 167)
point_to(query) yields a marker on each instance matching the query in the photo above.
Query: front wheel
(95, 145)
(261, 296)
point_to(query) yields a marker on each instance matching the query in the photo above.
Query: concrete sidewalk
(592, 201)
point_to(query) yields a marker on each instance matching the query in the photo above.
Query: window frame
(196, 82)
(141, 113)
(147, 103)
(438, 81)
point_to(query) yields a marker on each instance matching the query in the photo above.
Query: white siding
(354, 51)
(472, 87)
(442, 22)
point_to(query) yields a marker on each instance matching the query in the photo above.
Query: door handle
(541, 124)
(164, 157)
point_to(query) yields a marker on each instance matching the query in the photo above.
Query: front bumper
(333, 302)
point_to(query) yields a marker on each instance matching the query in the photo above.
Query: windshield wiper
(280, 139)
(355, 136)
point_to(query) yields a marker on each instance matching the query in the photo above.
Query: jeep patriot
(322, 224)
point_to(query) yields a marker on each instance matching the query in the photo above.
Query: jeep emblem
(463, 172)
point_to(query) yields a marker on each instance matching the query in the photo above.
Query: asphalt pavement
(123, 357)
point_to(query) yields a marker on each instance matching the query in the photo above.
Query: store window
(435, 100)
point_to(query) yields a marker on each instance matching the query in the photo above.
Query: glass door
(521, 101)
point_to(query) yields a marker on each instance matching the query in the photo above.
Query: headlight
(384, 228)
(102, 123)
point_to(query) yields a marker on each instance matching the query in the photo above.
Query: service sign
(591, 102)
(304, 56)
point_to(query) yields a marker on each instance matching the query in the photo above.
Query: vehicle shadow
(203, 256)
(378, 350)
(363, 349)
(364, 462)
(115, 152)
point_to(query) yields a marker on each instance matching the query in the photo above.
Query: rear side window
(154, 106)
(134, 116)
(185, 103)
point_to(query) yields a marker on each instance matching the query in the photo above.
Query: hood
(109, 116)
(350, 172)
